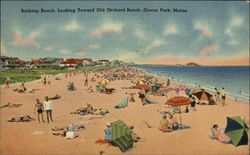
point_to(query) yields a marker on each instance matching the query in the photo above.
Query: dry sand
(18, 138)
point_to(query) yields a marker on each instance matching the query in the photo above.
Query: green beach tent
(121, 135)
(237, 131)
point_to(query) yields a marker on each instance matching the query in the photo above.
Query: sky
(209, 33)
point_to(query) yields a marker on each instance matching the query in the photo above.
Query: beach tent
(203, 95)
(143, 86)
(123, 103)
(177, 102)
(121, 135)
(237, 131)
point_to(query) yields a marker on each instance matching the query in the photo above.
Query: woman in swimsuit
(39, 107)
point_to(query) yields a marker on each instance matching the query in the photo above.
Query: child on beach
(108, 132)
(39, 107)
(48, 108)
(218, 134)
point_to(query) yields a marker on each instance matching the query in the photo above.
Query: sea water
(235, 79)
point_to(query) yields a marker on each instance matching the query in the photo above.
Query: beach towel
(123, 103)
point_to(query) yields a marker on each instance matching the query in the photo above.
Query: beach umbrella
(143, 86)
(104, 81)
(121, 135)
(179, 101)
(237, 131)
(203, 95)
(196, 90)
(138, 81)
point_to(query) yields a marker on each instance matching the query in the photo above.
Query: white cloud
(153, 44)
(236, 21)
(138, 33)
(108, 28)
(72, 26)
(204, 28)
(65, 51)
(94, 46)
(232, 43)
(170, 29)
(208, 50)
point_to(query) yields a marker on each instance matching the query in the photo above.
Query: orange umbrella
(143, 86)
(179, 101)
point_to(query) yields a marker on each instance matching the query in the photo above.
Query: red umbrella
(143, 86)
(179, 101)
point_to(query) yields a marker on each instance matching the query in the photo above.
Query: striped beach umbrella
(203, 95)
(121, 135)
(237, 131)
(139, 81)
(104, 81)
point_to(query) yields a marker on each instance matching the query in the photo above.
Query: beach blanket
(123, 103)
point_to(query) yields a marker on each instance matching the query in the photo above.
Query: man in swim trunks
(39, 107)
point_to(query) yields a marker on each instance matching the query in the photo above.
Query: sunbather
(55, 97)
(218, 134)
(174, 123)
(108, 132)
(25, 118)
(165, 125)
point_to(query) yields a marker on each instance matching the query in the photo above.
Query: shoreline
(229, 96)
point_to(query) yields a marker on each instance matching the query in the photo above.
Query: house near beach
(103, 62)
(87, 62)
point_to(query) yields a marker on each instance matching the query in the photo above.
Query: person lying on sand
(9, 105)
(25, 118)
(70, 127)
(218, 134)
(56, 97)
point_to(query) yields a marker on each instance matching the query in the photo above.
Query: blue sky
(208, 33)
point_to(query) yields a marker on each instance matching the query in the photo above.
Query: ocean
(235, 79)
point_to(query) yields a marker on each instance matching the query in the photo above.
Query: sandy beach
(34, 138)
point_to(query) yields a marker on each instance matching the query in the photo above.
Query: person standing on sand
(86, 82)
(40, 109)
(217, 95)
(223, 96)
(48, 108)
(7, 82)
